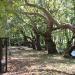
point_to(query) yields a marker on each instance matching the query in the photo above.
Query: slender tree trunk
(26, 42)
(37, 42)
(33, 43)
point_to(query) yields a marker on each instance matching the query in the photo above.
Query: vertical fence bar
(1, 55)
(3, 47)
(6, 43)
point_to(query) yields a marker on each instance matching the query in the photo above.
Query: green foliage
(12, 21)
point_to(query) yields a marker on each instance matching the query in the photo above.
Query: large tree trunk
(50, 45)
(37, 42)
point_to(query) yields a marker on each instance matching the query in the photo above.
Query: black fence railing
(3, 54)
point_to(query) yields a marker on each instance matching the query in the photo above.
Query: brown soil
(25, 61)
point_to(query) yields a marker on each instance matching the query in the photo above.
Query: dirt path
(25, 61)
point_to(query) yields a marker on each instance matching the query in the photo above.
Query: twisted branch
(46, 13)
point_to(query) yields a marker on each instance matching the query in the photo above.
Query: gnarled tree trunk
(50, 22)
(50, 45)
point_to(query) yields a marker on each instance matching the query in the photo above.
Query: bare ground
(25, 61)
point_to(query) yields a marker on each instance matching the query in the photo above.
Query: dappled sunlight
(31, 58)
(25, 62)
(61, 67)
(58, 58)
(19, 48)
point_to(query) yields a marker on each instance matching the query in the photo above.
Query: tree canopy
(44, 19)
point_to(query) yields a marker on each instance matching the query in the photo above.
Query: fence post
(1, 54)
(6, 43)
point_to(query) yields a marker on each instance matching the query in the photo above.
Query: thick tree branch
(66, 26)
(31, 13)
(47, 14)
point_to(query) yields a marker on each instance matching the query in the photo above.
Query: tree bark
(33, 42)
(37, 42)
(50, 45)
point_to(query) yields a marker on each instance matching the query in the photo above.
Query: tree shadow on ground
(39, 61)
(22, 65)
(56, 58)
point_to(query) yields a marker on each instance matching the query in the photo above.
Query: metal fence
(3, 54)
